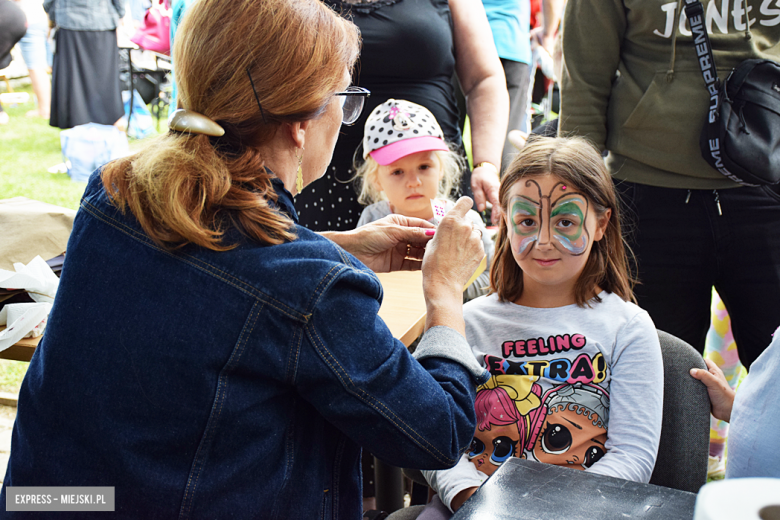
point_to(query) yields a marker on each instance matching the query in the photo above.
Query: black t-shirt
(13, 26)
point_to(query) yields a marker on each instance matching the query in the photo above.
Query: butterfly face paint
(524, 214)
(557, 217)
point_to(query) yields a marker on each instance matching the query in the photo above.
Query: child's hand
(721, 394)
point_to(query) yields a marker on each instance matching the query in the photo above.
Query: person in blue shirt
(179, 7)
(510, 22)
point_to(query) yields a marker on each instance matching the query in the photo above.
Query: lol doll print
(502, 407)
(570, 429)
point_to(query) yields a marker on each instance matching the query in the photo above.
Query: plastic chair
(685, 432)
(407, 513)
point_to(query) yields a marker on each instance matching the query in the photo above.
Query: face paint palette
(438, 211)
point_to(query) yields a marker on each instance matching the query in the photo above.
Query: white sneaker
(59, 168)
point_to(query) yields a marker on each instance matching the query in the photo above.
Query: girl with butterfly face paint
(551, 230)
(559, 238)
(571, 355)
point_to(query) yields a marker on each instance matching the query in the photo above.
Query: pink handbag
(155, 33)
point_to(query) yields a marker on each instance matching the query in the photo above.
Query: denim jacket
(236, 384)
(85, 15)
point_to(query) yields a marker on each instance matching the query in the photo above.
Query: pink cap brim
(394, 151)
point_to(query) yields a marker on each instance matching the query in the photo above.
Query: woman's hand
(721, 394)
(450, 259)
(485, 185)
(394, 243)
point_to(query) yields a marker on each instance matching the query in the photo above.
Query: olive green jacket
(632, 84)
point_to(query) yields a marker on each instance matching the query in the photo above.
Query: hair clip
(192, 122)
(251, 82)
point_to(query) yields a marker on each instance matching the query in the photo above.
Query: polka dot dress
(329, 203)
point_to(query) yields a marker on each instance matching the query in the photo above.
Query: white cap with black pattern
(398, 128)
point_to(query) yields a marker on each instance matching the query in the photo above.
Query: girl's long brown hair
(575, 161)
(188, 188)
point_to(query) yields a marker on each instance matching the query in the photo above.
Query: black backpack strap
(701, 42)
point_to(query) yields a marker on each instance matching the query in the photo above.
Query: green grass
(28, 147)
(11, 375)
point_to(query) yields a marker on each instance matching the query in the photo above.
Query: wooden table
(403, 306)
(22, 350)
(403, 310)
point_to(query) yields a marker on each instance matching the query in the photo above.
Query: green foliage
(28, 148)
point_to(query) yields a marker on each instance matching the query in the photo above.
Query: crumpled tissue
(27, 320)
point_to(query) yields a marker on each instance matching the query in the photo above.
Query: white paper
(23, 320)
(36, 278)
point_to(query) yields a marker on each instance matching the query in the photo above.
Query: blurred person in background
(13, 26)
(510, 23)
(35, 51)
(85, 73)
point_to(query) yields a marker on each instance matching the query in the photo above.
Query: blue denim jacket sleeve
(408, 413)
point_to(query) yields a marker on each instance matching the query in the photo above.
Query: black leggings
(684, 247)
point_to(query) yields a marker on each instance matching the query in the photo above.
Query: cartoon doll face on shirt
(502, 406)
(570, 439)
(491, 448)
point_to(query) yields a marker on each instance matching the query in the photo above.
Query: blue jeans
(35, 47)
(684, 246)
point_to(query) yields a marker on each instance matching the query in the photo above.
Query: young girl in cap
(406, 165)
